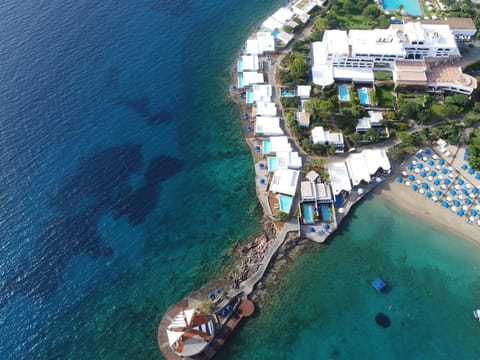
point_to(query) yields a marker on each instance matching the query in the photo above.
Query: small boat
(476, 314)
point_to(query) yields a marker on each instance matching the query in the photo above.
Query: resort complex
(304, 195)
(417, 53)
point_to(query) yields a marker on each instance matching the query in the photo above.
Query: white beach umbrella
(360, 191)
(378, 179)
(414, 162)
(434, 198)
(450, 168)
(465, 207)
(432, 189)
(440, 177)
(468, 185)
(425, 158)
(341, 210)
(443, 186)
(427, 169)
(471, 219)
(430, 178)
(477, 207)
(449, 198)
(417, 171)
(452, 175)
(453, 208)
(438, 167)
(457, 187)
(422, 191)
(435, 157)
(478, 222)
(472, 195)
(404, 173)
(460, 197)
(419, 181)
(407, 183)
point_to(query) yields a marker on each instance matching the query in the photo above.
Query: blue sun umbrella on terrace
(257, 148)
(453, 192)
(461, 213)
(461, 182)
(468, 201)
(433, 173)
(447, 181)
(428, 194)
(262, 181)
(211, 296)
(475, 191)
(410, 167)
(464, 167)
(474, 212)
(425, 185)
(438, 193)
(423, 174)
(431, 163)
(420, 165)
(465, 191)
(248, 128)
(414, 187)
(311, 229)
(456, 203)
(411, 178)
(428, 151)
(326, 227)
(419, 155)
(436, 182)
(261, 166)
(445, 204)
(444, 171)
(471, 171)
(399, 179)
(477, 177)
(441, 162)
(245, 116)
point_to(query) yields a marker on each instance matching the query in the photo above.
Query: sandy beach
(418, 206)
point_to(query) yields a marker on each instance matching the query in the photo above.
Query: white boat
(476, 314)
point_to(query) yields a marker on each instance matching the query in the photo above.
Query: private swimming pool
(266, 146)
(249, 97)
(307, 210)
(363, 96)
(272, 163)
(343, 94)
(285, 203)
(325, 212)
(240, 65)
(240, 81)
(410, 6)
(275, 33)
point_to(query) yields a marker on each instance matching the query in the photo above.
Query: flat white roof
(308, 191)
(377, 41)
(337, 41)
(321, 136)
(285, 37)
(266, 42)
(250, 62)
(285, 181)
(261, 92)
(357, 169)
(268, 126)
(288, 160)
(323, 75)
(252, 77)
(266, 108)
(339, 178)
(271, 24)
(319, 51)
(355, 74)
(282, 15)
(252, 47)
(279, 144)
(375, 159)
(304, 91)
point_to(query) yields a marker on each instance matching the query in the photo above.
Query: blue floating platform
(379, 284)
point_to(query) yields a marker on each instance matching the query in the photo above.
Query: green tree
(299, 69)
(371, 10)
(410, 109)
(371, 135)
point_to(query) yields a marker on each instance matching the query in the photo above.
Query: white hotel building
(353, 56)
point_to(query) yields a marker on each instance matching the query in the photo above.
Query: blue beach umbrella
(461, 182)
(261, 166)
(420, 165)
(444, 171)
(311, 229)
(262, 181)
(453, 192)
(425, 185)
(465, 191)
(410, 167)
(474, 212)
(414, 187)
(441, 161)
(428, 195)
(211, 296)
(456, 203)
(475, 191)
(471, 171)
(411, 178)
(229, 307)
(218, 292)
(431, 163)
(419, 155)
(248, 128)
(399, 179)
(464, 167)
(468, 201)
(447, 181)
(461, 213)
(423, 174)
(257, 148)
(433, 173)
(477, 177)
(436, 182)
(224, 313)
(428, 151)
(234, 87)
(438, 193)
(326, 227)
(445, 204)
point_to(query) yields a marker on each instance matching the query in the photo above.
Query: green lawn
(384, 97)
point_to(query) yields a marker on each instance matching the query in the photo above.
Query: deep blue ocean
(125, 180)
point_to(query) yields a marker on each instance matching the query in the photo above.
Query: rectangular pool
(343, 94)
(272, 163)
(325, 212)
(285, 203)
(363, 96)
(266, 147)
(410, 6)
(240, 81)
(240, 65)
(307, 210)
(249, 97)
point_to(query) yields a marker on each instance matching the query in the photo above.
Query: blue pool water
(240, 81)
(275, 33)
(343, 94)
(307, 213)
(249, 97)
(287, 94)
(410, 6)
(363, 95)
(272, 163)
(324, 210)
(240, 65)
(266, 146)
(285, 203)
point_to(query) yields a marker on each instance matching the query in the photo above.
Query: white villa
(374, 118)
(285, 182)
(268, 126)
(324, 137)
(412, 51)
(262, 92)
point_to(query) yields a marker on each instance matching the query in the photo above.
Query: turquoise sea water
(324, 306)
